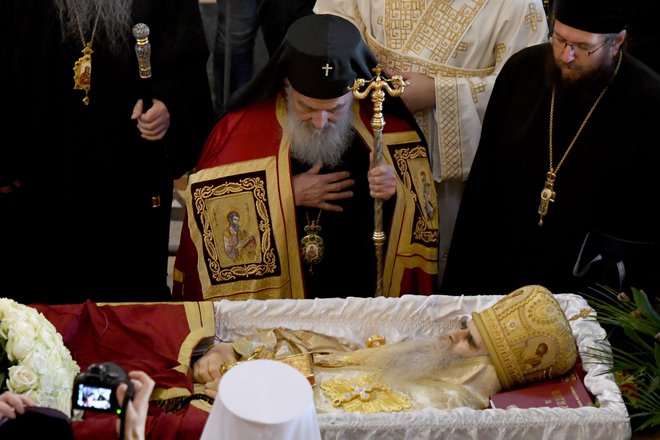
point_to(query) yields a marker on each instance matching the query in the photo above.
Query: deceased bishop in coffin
(523, 338)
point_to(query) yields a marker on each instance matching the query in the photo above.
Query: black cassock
(82, 225)
(605, 190)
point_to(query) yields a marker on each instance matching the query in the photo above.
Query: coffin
(356, 319)
(161, 339)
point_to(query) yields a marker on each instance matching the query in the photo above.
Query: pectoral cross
(357, 392)
(547, 195)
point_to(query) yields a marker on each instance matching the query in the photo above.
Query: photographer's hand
(12, 404)
(135, 417)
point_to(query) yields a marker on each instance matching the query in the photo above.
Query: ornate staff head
(377, 86)
(143, 49)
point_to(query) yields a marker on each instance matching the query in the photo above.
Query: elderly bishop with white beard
(292, 157)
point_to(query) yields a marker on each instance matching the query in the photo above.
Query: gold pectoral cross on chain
(364, 393)
(547, 195)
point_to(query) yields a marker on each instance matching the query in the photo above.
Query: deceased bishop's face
(466, 341)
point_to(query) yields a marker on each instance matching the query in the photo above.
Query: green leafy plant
(632, 347)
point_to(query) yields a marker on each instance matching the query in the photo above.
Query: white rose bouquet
(33, 359)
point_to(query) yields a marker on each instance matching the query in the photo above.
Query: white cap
(263, 399)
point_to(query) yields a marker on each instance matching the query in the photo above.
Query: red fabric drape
(153, 337)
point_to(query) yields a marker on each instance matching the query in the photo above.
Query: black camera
(94, 389)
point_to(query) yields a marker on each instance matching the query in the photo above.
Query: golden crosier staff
(377, 87)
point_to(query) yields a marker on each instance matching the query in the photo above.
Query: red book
(566, 392)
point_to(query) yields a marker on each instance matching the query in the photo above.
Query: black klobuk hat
(595, 16)
(321, 55)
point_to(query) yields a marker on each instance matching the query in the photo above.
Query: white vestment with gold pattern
(462, 44)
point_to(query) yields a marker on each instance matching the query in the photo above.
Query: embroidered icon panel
(411, 163)
(233, 218)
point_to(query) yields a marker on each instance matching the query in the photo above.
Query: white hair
(114, 22)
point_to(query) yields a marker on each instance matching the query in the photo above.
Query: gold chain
(548, 193)
(318, 217)
(591, 110)
(96, 22)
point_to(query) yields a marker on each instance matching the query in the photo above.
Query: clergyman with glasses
(561, 189)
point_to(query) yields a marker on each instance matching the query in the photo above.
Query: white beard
(426, 371)
(394, 361)
(114, 21)
(310, 145)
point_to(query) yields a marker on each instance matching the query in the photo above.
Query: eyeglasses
(579, 49)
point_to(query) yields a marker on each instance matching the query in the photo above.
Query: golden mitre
(528, 337)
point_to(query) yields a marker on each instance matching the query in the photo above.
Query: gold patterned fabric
(461, 44)
(351, 384)
(528, 336)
